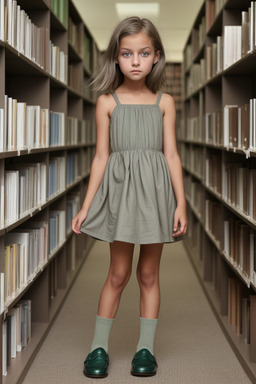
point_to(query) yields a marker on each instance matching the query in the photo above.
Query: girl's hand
(180, 222)
(78, 221)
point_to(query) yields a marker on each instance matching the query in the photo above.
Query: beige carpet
(190, 347)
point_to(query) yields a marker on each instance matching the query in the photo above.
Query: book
(232, 50)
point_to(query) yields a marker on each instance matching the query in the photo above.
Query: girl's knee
(146, 278)
(118, 279)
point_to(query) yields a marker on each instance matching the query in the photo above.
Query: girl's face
(136, 56)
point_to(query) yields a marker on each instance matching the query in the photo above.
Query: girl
(135, 194)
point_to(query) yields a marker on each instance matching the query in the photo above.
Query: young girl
(135, 194)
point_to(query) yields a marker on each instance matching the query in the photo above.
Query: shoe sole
(95, 376)
(143, 374)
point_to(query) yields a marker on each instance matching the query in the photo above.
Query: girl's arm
(174, 164)
(99, 162)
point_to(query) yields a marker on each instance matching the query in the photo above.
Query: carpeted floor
(190, 347)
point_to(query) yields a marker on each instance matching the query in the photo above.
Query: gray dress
(135, 202)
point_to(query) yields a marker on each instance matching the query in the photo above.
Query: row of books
(78, 131)
(73, 167)
(57, 129)
(32, 42)
(213, 171)
(73, 207)
(25, 253)
(60, 9)
(75, 36)
(240, 247)
(239, 126)
(25, 189)
(234, 238)
(58, 63)
(233, 127)
(198, 33)
(16, 332)
(25, 126)
(239, 186)
(57, 230)
(87, 53)
(214, 58)
(74, 77)
(241, 310)
(196, 77)
(56, 175)
(198, 37)
(193, 161)
(194, 194)
(236, 42)
(23, 35)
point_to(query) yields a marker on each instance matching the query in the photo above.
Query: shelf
(20, 365)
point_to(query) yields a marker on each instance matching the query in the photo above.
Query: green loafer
(96, 364)
(144, 364)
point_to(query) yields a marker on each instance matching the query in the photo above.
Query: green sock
(147, 334)
(101, 334)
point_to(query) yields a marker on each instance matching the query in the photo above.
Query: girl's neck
(133, 88)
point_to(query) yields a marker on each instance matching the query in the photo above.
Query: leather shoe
(96, 364)
(144, 363)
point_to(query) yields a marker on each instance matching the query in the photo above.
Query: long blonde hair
(109, 77)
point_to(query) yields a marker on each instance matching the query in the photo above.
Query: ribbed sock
(101, 334)
(147, 334)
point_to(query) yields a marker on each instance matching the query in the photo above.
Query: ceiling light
(149, 10)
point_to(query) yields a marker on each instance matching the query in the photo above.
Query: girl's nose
(135, 60)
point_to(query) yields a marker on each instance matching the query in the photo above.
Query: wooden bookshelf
(217, 147)
(47, 143)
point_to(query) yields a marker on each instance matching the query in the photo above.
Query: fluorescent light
(149, 10)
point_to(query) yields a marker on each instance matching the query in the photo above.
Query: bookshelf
(218, 151)
(47, 143)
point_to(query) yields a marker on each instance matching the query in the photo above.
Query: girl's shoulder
(167, 103)
(106, 103)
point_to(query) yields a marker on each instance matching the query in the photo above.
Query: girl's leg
(121, 255)
(144, 363)
(148, 279)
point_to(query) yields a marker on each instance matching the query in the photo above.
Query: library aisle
(190, 346)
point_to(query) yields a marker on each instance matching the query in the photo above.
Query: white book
(21, 125)
(239, 128)
(251, 134)
(10, 125)
(2, 20)
(254, 124)
(2, 195)
(12, 313)
(18, 330)
(18, 28)
(252, 235)
(10, 22)
(2, 292)
(11, 196)
(14, 24)
(22, 31)
(2, 133)
(226, 238)
(4, 348)
(252, 26)
(21, 237)
(226, 126)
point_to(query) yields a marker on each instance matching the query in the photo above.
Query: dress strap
(116, 98)
(159, 98)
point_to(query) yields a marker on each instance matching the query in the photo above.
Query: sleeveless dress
(135, 202)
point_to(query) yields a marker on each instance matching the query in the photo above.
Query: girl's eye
(144, 54)
(126, 54)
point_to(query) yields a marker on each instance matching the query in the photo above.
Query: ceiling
(174, 21)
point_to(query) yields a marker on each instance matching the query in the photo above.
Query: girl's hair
(110, 77)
